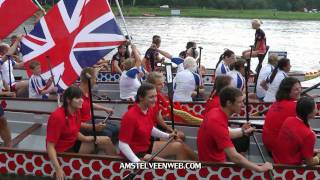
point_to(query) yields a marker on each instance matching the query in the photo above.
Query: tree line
(287, 5)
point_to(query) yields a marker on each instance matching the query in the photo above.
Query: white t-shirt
(222, 69)
(36, 85)
(129, 83)
(184, 84)
(274, 86)
(263, 75)
(1, 83)
(237, 80)
(5, 71)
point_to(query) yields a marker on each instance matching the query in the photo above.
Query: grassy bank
(245, 14)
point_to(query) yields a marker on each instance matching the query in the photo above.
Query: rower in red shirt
(157, 79)
(285, 106)
(214, 100)
(108, 129)
(214, 142)
(296, 140)
(63, 131)
(137, 126)
(242, 143)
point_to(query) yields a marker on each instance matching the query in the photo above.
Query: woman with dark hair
(63, 131)
(102, 129)
(287, 95)
(137, 126)
(228, 57)
(237, 74)
(118, 59)
(190, 44)
(214, 99)
(273, 81)
(296, 140)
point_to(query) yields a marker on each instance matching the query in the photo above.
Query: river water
(300, 39)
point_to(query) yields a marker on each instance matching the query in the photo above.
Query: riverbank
(242, 14)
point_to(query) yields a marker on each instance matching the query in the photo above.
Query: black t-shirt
(119, 58)
(151, 55)
(260, 35)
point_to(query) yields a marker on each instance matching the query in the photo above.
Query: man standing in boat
(151, 57)
(214, 139)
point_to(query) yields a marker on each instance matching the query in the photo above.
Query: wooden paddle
(88, 76)
(133, 174)
(52, 77)
(247, 72)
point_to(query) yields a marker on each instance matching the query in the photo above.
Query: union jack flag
(75, 34)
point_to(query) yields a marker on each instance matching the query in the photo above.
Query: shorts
(149, 151)
(75, 148)
(1, 111)
(241, 144)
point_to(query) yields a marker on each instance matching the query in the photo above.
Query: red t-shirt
(277, 113)
(213, 103)
(62, 131)
(85, 111)
(213, 136)
(136, 127)
(294, 143)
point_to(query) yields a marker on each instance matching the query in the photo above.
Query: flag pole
(52, 77)
(39, 5)
(124, 21)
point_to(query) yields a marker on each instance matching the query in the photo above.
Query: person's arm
(307, 150)
(235, 133)
(84, 138)
(245, 130)
(88, 127)
(165, 54)
(19, 65)
(164, 125)
(12, 49)
(237, 158)
(159, 134)
(136, 54)
(313, 161)
(116, 66)
(102, 108)
(127, 151)
(52, 153)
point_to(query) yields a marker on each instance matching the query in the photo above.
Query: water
(299, 38)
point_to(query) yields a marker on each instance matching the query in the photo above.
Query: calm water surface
(300, 39)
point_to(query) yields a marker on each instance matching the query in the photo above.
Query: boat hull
(75, 166)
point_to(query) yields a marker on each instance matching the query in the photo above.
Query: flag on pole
(13, 13)
(74, 34)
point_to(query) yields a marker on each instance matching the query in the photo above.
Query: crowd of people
(287, 135)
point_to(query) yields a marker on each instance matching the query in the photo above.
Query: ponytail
(226, 53)
(273, 75)
(70, 93)
(305, 106)
(281, 65)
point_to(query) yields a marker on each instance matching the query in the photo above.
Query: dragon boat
(28, 157)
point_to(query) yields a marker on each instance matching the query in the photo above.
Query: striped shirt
(237, 80)
(129, 83)
(36, 85)
(222, 69)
